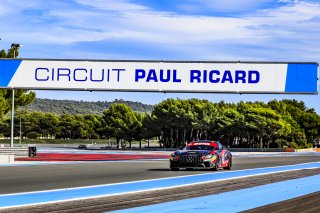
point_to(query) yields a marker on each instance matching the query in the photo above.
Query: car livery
(201, 154)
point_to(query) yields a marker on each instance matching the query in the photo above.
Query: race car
(201, 154)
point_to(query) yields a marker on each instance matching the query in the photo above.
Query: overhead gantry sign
(160, 76)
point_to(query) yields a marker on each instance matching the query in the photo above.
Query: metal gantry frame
(296, 90)
(15, 48)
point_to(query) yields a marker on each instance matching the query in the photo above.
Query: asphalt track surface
(45, 177)
(154, 197)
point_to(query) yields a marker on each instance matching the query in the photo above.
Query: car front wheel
(229, 165)
(216, 166)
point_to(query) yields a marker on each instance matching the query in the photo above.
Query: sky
(227, 30)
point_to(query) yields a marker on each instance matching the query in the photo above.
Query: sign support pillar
(12, 120)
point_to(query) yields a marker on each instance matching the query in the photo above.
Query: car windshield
(200, 147)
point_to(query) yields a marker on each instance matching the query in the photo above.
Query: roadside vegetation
(174, 122)
(73, 107)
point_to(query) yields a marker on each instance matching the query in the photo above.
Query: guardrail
(257, 149)
(174, 149)
(16, 151)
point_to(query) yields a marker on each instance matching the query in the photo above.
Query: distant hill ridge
(80, 107)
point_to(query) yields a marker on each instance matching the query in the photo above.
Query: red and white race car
(201, 154)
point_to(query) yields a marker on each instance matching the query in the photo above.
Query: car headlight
(174, 157)
(214, 157)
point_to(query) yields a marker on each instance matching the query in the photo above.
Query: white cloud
(287, 29)
(120, 5)
(60, 29)
(222, 5)
(13, 7)
(4, 9)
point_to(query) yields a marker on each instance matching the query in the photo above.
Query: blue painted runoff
(235, 201)
(11, 200)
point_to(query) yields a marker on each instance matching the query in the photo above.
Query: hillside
(80, 107)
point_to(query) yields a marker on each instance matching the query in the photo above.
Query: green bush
(32, 135)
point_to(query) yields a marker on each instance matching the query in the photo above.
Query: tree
(67, 127)
(149, 128)
(305, 123)
(184, 120)
(22, 97)
(48, 124)
(121, 122)
(3, 54)
(229, 125)
(173, 116)
(92, 125)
